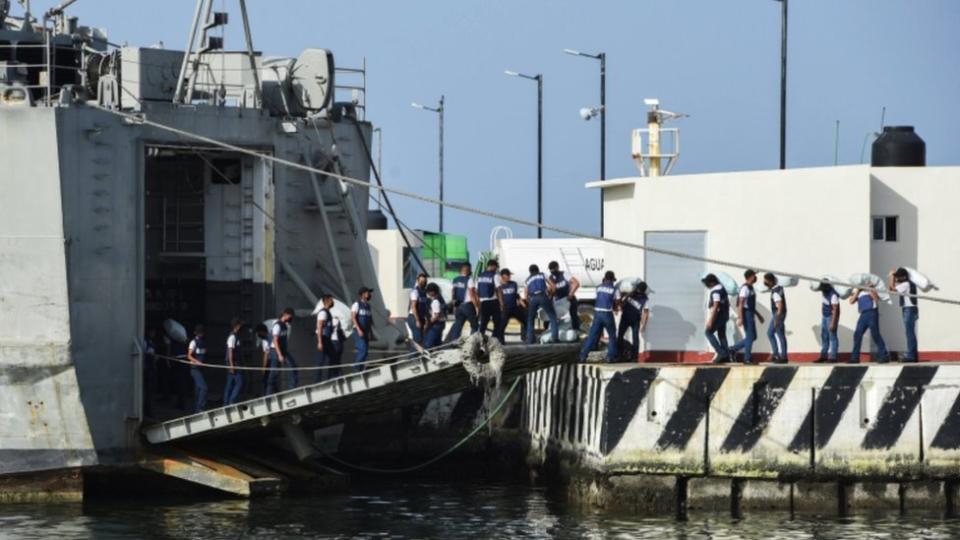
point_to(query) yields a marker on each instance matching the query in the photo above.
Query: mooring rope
(142, 120)
(379, 362)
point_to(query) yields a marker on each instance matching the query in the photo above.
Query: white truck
(582, 258)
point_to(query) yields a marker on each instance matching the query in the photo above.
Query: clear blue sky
(717, 61)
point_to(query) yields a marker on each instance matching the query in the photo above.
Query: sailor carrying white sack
(565, 287)
(900, 281)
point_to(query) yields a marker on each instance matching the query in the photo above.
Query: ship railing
(44, 90)
(355, 87)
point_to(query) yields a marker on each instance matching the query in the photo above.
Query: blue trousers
(538, 301)
(574, 316)
(490, 311)
(271, 386)
(199, 389)
(415, 334)
(602, 321)
(361, 348)
(749, 336)
(910, 316)
(466, 312)
(518, 313)
(231, 392)
(631, 323)
(434, 335)
(828, 339)
(325, 358)
(335, 357)
(778, 338)
(717, 336)
(869, 320)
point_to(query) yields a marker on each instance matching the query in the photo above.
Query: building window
(886, 228)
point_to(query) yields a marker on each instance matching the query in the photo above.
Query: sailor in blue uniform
(899, 280)
(538, 293)
(362, 314)
(565, 286)
(829, 322)
(231, 391)
(417, 311)
(716, 328)
(325, 350)
(633, 317)
(460, 285)
(747, 317)
(868, 303)
(467, 304)
(436, 317)
(197, 355)
(512, 304)
(491, 303)
(777, 331)
(606, 303)
(280, 353)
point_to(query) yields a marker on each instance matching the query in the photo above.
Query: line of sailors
(493, 297)
(867, 301)
(273, 345)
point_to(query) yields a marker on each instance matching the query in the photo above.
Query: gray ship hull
(79, 255)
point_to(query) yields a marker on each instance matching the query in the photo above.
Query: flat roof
(626, 181)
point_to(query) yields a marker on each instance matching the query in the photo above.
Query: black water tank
(376, 220)
(899, 146)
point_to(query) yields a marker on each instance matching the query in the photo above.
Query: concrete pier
(736, 438)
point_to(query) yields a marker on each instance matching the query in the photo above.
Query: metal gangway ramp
(388, 386)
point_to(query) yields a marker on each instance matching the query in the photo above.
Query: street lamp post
(783, 84)
(539, 78)
(439, 110)
(602, 57)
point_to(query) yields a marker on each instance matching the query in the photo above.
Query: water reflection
(430, 510)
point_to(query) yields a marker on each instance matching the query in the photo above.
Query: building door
(678, 313)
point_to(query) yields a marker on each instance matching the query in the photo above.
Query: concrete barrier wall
(811, 421)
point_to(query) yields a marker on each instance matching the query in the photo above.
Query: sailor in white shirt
(899, 280)
(417, 311)
(868, 302)
(437, 320)
(197, 355)
(324, 337)
(231, 391)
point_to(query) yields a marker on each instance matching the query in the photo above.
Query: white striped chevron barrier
(783, 421)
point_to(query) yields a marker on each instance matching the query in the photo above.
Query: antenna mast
(190, 67)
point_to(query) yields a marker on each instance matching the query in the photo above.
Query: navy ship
(110, 226)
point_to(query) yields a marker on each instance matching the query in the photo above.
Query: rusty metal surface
(215, 474)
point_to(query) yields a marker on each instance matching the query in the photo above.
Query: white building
(831, 220)
(396, 269)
